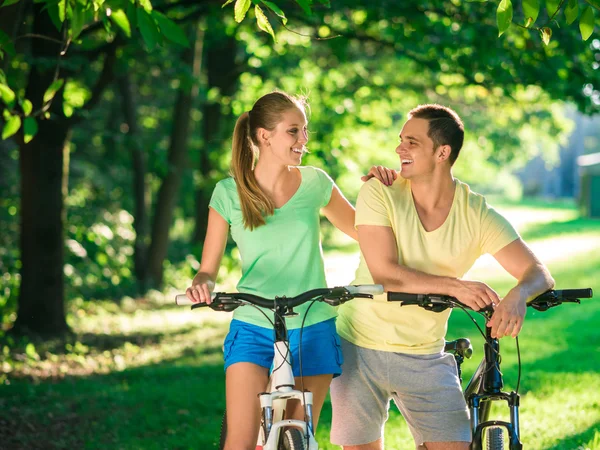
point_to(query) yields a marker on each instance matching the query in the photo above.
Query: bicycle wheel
(292, 440)
(494, 438)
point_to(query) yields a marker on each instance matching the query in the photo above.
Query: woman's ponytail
(253, 201)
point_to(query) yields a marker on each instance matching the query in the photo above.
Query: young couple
(419, 232)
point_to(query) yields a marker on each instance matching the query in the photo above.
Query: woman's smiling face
(287, 141)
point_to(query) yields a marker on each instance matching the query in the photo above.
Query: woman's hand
(383, 174)
(201, 289)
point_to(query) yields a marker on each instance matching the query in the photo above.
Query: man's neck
(434, 192)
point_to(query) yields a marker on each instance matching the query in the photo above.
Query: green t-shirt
(284, 256)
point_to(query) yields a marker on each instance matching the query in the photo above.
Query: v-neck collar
(416, 213)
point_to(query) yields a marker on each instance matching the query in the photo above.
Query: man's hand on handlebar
(475, 295)
(508, 316)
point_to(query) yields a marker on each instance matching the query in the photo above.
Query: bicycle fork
(273, 403)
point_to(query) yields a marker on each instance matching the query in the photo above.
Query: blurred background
(103, 212)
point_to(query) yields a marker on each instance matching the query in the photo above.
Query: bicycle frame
(281, 384)
(281, 389)
(486, 384)
(485, 387)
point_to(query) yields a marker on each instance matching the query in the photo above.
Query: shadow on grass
(553, 229)
(579, 441)
(93, 341)
(177, 403)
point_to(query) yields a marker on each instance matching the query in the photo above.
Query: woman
(272, 207)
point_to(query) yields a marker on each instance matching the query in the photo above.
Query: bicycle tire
(223, 431)
(292, 439)
(494, 438)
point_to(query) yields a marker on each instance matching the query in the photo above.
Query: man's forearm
(535, 281)
(399, 278)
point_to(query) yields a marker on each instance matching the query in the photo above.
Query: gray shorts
(425, 388)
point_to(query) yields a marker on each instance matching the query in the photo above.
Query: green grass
(148, 376)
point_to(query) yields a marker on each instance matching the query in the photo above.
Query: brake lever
(429, 304)
(338, 300)
(224, 304)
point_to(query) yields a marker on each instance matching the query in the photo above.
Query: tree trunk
(141, 195)
(169, 189)
(44, 171)
(222, 73)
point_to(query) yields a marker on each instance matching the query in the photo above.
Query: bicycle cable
(288, 350)
(498, 355)
(300, 353)
(518, 365)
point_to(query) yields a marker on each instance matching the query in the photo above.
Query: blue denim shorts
(321, 347)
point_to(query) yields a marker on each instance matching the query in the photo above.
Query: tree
(47, 119)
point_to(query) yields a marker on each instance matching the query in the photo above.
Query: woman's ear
(263, 136)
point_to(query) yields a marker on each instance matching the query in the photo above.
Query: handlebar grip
(371, 289)
(404, 297)
(183, 300)
(574, 293)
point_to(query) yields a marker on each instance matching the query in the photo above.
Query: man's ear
(263, 136)
(444, 152)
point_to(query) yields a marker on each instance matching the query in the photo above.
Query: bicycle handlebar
(439, 303)
(222, 301)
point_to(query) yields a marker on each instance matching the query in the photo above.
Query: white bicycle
(276, 432)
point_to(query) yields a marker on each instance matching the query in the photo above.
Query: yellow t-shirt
(471, 229)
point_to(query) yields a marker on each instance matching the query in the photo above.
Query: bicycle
(486, 384)
(275, 431)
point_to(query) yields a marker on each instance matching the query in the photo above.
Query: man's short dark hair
(445, 127)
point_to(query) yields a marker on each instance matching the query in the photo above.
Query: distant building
(589, 198)
(563, 180)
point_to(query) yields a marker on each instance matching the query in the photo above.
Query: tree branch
(104, 79)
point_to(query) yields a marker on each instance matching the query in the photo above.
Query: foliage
(529, 12)
(158, 368)
(81, 24)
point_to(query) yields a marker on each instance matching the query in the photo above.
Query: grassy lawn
(146, 375)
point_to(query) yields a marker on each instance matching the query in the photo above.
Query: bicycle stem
(492, 377)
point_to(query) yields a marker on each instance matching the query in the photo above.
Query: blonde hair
(266, 113)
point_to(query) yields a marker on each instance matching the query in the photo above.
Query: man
(421, 235)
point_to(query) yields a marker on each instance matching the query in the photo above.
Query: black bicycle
(486, 383)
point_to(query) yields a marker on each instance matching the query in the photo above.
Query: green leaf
(11, 126)
(27, 107)
(170, 29)
(531, 9)
(30, 129)
(52, 90)
(572, 11)
(146, 4)
(240, 9)
(546, 34)
(61, 10)
(79, 18)
(586, 23)
(148, 28)
(120, 19)
(8, 3)
(7, 94)
(305, 5)
(504, 16)
(263, 22)
(55, 13)
(552, 6)
(227, 3)
(6, 44)
(276, 9)
(30, 351)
